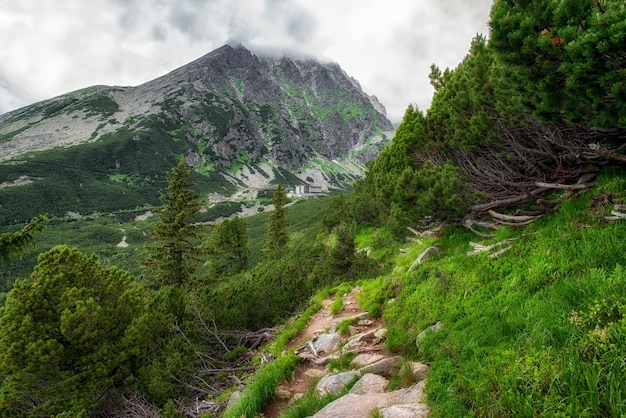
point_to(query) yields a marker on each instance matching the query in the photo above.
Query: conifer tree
(564, 57)
(69, 336)
(277, 236)
(16, 243)
(175, 254)
(342, 249)
(228, 247)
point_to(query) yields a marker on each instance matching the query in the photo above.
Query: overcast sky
(51, 47)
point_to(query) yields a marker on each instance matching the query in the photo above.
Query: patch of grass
(8, 136)
(342, 364)
(518, 338)
(336, 306)
(344, 326)
(219, 210)
(404, 378)
(339, 291)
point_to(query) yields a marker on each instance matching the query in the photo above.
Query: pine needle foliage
(176, 252)
(277, 236)
(14, 244)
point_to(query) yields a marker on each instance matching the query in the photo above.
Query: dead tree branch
(469, 224)
(513, 219)
(577, 186)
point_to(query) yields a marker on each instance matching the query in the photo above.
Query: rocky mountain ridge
(242, 121)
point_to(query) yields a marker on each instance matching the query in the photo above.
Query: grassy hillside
(100, 234)
(537, 331)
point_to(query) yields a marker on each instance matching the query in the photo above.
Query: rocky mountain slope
(243, 122)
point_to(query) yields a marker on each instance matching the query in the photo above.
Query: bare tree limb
(565, 186)
(411, 239)
(502, 251)
(469, 224)
(597, 148)
(513, 218)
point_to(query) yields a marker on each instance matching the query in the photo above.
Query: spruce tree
(175, 254)
(277, 236)
(228, 248)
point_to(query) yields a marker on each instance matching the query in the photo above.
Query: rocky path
(320, 342)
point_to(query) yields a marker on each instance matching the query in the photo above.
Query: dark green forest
(522, 145)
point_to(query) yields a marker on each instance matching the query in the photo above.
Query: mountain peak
(229, 112)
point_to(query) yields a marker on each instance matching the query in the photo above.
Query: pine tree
(176, 253)
(69, 336)
(228, 248)
(277, 236)
(16, 243)
(342, 249)
(564, 57)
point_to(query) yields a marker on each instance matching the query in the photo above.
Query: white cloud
(57, 46)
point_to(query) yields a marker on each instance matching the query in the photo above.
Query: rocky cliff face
(285, 110)
(247, 119)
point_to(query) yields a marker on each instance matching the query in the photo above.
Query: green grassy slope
(99, 234)
(540, 330)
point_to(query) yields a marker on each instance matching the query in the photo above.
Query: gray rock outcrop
(335, 383)
(359, 406)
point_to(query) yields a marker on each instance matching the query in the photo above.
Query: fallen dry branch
(559, 186)
(509, 201)
(617, 216)
(415, 232)
(513, 219)
(411, 239)
(528, 160)
(428, 252)
(500, 252)
(469, 224)
(597, 148)
(252, 339)
(431, 232)
(480, 248)
(524, 223)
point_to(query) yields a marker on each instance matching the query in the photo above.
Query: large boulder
(419, 370)
(364, 339)
(360, 406)
(334, 384)
(385, 367)
(370, 383)
(364, 359)
(413, 410)
(327, 343)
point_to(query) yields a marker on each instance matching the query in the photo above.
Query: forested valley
(515, 175)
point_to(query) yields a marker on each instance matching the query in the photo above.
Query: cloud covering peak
(57, 46)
